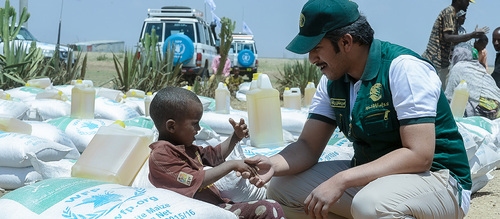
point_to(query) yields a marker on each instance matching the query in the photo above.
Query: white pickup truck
(25, 38)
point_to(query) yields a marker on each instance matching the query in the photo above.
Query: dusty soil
(486, 201)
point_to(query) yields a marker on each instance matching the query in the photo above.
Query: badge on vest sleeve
(337, 103)
(185, 178)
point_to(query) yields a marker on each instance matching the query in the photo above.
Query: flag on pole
(246, 29)
(216, 19)
(211, 4)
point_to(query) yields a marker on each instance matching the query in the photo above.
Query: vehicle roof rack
(175, 11)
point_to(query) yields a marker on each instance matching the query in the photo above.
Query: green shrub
(298, 74)
(146, 70)
(102, 57)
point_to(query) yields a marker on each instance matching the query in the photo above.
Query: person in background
(227, 66)
(461, 16)
(444, 35)
(496, 44)
(233, 82)
(484, 95)
(409, 158)
(178, 165)
(480, 45)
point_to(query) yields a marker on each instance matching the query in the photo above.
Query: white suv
(24, 38)
(243, 54)
(192, 37)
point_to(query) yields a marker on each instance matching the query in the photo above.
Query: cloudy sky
(273, 22)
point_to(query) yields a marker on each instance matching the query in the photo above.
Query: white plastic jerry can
(14, 125)
(292, 98)
(147, 102)
(51, 94)
(459, 99)
(309, 92)
(264, 114)
(82, 101)
(135, 93)
(4, 95)
(115, 154)
(39, 82)
(222, 99)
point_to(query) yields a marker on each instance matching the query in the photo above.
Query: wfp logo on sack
(88, 127)
(95, 203)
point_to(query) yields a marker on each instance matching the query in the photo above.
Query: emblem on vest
(337, 103)
(376, 92)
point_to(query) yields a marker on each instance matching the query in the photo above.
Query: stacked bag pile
(40, 142)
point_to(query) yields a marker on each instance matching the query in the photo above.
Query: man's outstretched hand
(263, 170)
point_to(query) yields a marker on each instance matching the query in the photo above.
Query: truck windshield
(170, 29)
(238, 46)
(25, 35)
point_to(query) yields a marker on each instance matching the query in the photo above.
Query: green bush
(298, 74)
(146, 70)
(102, 57)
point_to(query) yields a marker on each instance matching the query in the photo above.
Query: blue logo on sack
(100, 201)
(88, 127)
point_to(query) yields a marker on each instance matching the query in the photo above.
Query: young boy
(480, 45)
(178, 165)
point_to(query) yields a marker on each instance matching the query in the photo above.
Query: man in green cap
(409, 158)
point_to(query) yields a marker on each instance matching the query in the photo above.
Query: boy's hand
(240, 166)
(240, 129)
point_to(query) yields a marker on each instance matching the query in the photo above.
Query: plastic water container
(264, 114)
(86, 82)
(253, 84)
(459, 99)
(4, 95)
(39, 82)
(222, 99)
(52, 94)
(309, 92)
(292, 98)
(14, 125)
(147, 102)
(82, 101)
(115, 154)
(135, 93)
(111, 94)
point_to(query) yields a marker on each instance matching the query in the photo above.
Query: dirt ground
(486, 201)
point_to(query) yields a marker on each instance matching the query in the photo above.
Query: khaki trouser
(424, 195)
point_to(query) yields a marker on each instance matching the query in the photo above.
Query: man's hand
(262, 166)
(240, 129)
(322, 198)
(481, 31)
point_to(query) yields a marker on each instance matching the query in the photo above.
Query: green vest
(374, 127)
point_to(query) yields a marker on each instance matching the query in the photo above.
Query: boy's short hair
(170, 103)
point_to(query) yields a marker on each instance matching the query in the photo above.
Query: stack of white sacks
(54, 141)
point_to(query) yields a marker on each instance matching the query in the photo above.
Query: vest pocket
(377, 122)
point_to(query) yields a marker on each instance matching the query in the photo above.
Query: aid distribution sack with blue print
(85, 198)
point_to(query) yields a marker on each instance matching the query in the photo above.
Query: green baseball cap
(317, 18)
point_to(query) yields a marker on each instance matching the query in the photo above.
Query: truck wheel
(246, 58)
(183, 47)
(205, 75)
